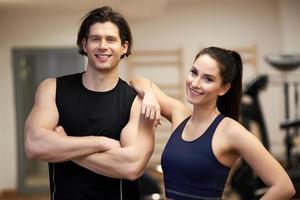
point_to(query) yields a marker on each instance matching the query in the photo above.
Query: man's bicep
(44, 112)
(129, 132)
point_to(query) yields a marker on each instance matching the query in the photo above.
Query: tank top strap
(178, 130)
(211, 129)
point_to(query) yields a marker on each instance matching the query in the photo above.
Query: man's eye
(110, 39)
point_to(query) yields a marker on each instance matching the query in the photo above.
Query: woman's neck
(204, 113)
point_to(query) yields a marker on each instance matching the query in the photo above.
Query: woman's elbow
(290, 190)
(286, 191)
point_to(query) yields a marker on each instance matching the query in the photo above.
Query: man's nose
(102, 44)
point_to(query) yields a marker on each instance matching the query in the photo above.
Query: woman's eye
(207, 79)
(193, 72)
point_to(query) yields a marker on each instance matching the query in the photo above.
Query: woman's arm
(262, 162)
(155, 101)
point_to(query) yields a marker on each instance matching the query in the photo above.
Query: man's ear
(224, 89)
(125, 47)
(83, 44)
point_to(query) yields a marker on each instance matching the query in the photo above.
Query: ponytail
(231, 71)
(229, 103)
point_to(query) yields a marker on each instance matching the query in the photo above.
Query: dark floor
(22, 197)
(14, 196)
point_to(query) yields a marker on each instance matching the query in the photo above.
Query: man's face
(103, 46)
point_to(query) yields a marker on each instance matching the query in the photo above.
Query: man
(88, 125)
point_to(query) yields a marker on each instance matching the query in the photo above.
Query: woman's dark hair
(231, 71)
(102, 15)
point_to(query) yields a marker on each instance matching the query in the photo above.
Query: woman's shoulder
(232, 128)
(236, 135)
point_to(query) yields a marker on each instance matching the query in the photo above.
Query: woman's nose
(196, 83)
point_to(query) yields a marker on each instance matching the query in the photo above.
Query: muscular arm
(129, 161)
(43, 143)
(263, 163)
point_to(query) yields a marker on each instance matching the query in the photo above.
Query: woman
(207, 141)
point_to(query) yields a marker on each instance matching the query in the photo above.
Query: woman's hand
(151, 108)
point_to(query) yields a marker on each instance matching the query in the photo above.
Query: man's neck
(99, 81)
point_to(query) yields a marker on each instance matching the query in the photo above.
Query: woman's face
(204, 83)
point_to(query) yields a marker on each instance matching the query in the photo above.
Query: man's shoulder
(70, 82)
(124, 86)
(123, 83)
(70, 76)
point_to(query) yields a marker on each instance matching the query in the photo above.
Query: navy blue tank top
(191, 170)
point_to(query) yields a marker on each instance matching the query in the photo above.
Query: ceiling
(130, 8)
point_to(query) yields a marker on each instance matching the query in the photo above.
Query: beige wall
(290, 25)
(24, 29)
(235, 23)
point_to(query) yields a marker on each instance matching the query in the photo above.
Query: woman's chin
(191, 101)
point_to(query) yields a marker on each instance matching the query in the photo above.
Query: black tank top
(83, 112)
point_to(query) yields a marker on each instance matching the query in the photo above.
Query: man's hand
(109, 143)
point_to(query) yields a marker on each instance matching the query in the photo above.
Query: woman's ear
(224, 89)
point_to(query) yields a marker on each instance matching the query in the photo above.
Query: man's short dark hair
(102, 15)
